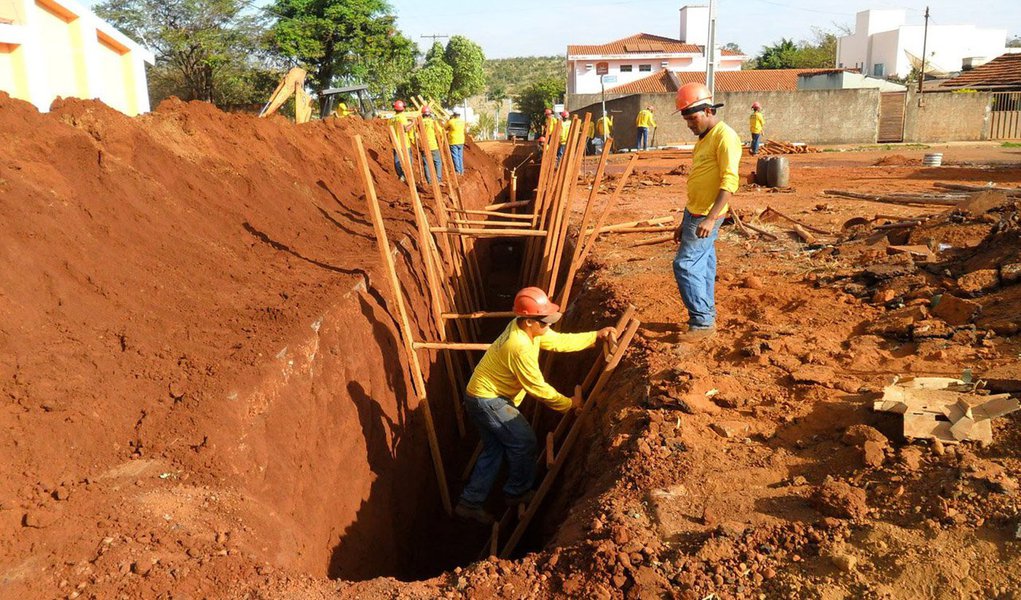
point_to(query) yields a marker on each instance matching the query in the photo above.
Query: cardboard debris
(944, 409)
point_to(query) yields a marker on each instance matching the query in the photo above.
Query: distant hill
(505, 77)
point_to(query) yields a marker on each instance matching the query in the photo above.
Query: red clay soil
(204, 400)
(201, 375)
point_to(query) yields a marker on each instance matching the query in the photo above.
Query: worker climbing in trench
(510, 368)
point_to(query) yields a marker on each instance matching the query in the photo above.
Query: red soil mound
(197, 365)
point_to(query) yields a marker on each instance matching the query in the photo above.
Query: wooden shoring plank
(572, 267)
(490, 232)
(500, 314)
(495, 213)
(559, 242)
(487, 222)
(546, 172)
(610, 203)
(383, 244)
(556, 204)
(659, 239)
(568, 443)
(633, 224)
(442, 345)
(441, 210)
(502, 205)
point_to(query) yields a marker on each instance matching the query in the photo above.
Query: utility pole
(710, 50)
(435, 37)
(925, 41)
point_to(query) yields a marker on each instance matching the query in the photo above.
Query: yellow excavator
(292, 84)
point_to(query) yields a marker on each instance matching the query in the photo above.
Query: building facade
(883, 46)
(59, 48)
(642, 55)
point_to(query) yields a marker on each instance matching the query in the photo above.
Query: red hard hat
(532, 302)
(399, 105)
(565, 114)
(692, 95)
(542, 139)
(549, 111)
(426, 110)
(756, 106)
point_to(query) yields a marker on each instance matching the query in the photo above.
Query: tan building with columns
(51, 48)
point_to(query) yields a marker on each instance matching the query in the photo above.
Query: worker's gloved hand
(606, 333)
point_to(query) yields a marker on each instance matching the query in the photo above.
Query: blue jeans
(437, 164)
(560, 152)
(643, 138)
(397, 163)
(755, 142)
(457, 155)
(504, 432)
(695, 272)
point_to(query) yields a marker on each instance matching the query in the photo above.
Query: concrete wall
(815, 117)
(947, 117)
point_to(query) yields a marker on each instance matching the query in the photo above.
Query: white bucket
(933, 160)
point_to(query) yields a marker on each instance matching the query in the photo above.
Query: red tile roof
(640, 43)
(1001, 72)
(757, 80)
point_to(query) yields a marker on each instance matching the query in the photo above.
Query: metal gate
(891, 116)
(1005, 118)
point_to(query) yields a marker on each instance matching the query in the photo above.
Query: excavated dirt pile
(200, 371)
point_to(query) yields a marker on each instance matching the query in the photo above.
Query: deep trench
(434, 542)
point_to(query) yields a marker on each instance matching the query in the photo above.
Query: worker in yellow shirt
(711, 182)
(644, 122)
(551, 120)
(343, 111)
(455, 137)
(432, 129)
(509, 369)
(565, 133)
(604, 126)
(755, 123)
(400, 121)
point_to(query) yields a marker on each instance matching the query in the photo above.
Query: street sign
(602, 68)
(609, 79)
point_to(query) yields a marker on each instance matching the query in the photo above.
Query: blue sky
(543, 27)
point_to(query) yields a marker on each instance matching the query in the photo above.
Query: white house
(641, 55)
(51, 48)
(883, 46)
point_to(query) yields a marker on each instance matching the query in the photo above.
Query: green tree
(341, 39)
(466, 59)
(537, 97)
(433, 79)
(205, 49)
(1014, 42)
(782, 55)
(506, 77)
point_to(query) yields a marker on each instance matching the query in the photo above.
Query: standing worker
(711, 182)
(565, 133)
(604, 126)
(755, 123)
(401, 121)
(551, 120)
(455, 137)
(644, 121)
(510, 368)
(432, 129)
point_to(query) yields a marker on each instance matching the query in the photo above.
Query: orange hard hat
(542, 139)
(399, 105)
(691, 97)
(549, 111)
(426, 111)
(533, 303)
(756, 106)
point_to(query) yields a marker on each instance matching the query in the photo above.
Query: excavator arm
(292, 84)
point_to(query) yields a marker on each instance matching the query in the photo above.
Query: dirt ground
(205, 396)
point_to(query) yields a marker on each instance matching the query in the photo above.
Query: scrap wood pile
(946, 278)
(772, 147)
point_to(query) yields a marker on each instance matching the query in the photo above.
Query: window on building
(879, 70)
(625, 68)
(645, 68)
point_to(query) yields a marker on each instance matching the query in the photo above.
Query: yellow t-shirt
(550, 122)
(645, 119)
(431, 126)
(401, 120)
(565, 131)
(455, 131)
(714, 165)
(510, 366)
(603, 126)
(756, 121)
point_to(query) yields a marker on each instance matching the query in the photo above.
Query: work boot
(525, 498)
(475, 513)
